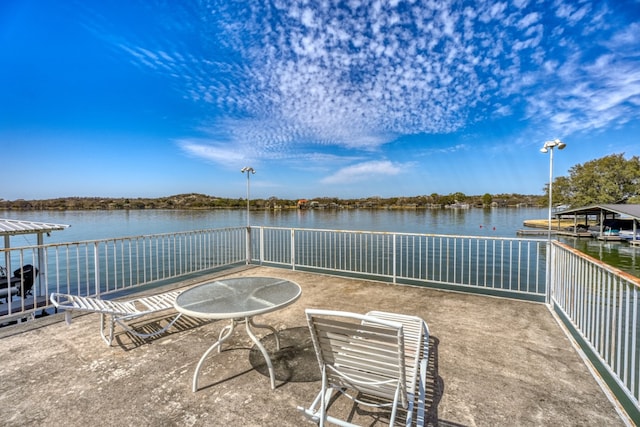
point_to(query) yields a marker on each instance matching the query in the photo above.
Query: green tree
(487, 199)
(458, 197)
(610, 179)
(447, 200)
(562, 191)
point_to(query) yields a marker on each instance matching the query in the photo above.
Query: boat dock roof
(625, 210)
(11, 227)
(494, 362)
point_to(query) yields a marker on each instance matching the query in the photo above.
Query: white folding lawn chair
(119, 312)
(378, 359)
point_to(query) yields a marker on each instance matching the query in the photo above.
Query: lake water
(496, 222)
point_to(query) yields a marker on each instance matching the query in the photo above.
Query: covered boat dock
(610, 219)
(23, 277)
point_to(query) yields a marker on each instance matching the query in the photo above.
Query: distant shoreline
(204, 202)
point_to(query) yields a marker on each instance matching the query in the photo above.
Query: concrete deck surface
(494, 362)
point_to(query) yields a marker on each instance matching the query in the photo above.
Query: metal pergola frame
(13, 227)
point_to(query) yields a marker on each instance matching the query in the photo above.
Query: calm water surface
(497, 222)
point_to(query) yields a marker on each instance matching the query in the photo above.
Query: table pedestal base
(226, 332)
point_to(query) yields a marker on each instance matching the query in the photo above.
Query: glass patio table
(239, 299)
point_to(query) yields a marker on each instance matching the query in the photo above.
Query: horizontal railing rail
(490, 265)
(510, 267)
(101, 267)
(599, 304)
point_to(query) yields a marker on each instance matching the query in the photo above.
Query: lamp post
(249, 170)
(548, 148)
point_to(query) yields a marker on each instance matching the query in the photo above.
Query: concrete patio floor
(494, 362)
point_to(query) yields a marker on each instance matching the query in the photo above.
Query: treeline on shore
(202, 201)
(610, 179)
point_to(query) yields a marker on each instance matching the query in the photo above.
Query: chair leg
(317, 411)
(420, 421)
(112, 322)
(410, 410)
(132, 331)
(67, 316)
(324, 398)
(312, 411)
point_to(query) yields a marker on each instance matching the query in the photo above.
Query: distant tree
(446, 200)
(487, 199)
(634, 199)
(458, 197)
(562, 191)
(610, 179)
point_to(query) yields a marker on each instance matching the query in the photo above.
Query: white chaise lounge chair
(378, 359)
(119, 311)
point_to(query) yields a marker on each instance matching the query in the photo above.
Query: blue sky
(346, 99)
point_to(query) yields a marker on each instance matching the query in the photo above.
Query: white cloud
(444, 150)
(372, 170)
(212, 152)
(626, 38)
(284, 79)
(528, 20)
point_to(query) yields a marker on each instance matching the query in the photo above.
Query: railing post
(548, 275)
(96, 267)
(42, 268)
(394, 258)
(7, 258)
(248, 245)
(293, 249)
(261, 245)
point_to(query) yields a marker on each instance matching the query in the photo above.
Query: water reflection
(618, 254)
(496, 222)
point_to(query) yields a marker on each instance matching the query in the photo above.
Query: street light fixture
(249, 170)
(548, 148)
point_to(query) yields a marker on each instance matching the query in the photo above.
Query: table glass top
(237, 297)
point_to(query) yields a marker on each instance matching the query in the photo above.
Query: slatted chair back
(416, 343)
(376, 359)
(360, 353)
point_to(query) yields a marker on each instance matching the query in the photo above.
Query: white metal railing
(599, 303)
(510, 267)
(104, 266)
(601, 306)
(491, 265)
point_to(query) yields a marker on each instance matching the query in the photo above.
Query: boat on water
(607, 233)
(629, 235)
(609, 229)
(457, 205)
